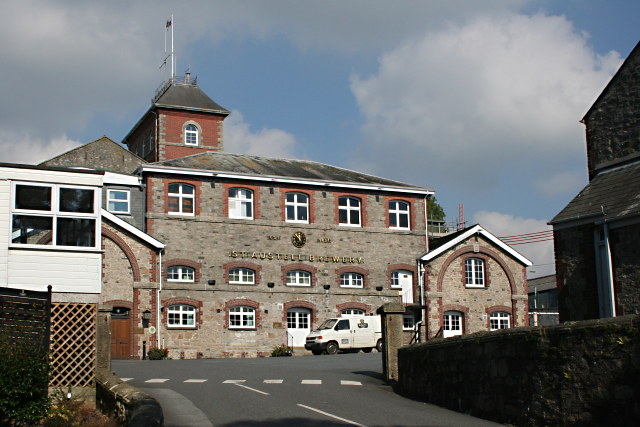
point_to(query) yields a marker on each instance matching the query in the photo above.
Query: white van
(346, 333)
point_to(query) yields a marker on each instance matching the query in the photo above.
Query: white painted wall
(5, 225)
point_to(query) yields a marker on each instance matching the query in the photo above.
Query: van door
(362, 332)
(343, 333)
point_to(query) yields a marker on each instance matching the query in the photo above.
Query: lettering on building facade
(280, 256)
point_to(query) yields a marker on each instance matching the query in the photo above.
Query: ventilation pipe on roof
(187, 78)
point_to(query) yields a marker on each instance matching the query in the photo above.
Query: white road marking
(157, 380)
(126, 379)
(311, 382)
(273, 381)
(335, 417)
(346, 382)
(233, 381)
(195, 381)
(252, 389)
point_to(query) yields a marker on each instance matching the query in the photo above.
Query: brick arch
(362, 306)
(299, 304)
(120, 303)
(353, 269)
(246, 302)
(503, 308)
(469, 250)
(183, 262)
(241, 264)
(407, 267)
(455, 307)
(302, 267)
(186, 301)
(135, 268)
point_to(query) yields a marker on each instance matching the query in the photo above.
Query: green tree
(434, 210)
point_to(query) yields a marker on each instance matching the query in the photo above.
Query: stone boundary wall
(126, 404)
(576, 373)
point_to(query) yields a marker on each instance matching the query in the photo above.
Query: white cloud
(504, 225)
(28, 150)
(503, 93)
(560, 183)
(238, 138)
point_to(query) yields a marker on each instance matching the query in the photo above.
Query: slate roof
(543, 283)
(242, 164)
(614, 194)
(186, 96)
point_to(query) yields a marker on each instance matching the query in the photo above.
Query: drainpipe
(609, 270)
(421, 289)
(158, 290)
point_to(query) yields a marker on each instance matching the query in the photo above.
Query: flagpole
(173, 64)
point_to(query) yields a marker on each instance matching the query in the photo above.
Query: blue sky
(479, 100)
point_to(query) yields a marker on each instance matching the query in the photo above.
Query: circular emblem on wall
(298, 239)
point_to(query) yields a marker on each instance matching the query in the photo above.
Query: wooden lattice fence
(73, 344)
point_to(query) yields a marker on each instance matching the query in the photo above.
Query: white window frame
(245, 315)
(181, 273)
(451, 319)
(299, 318)
(474, 269)
(395, 279)
(111, 199)
(296, 204)
(352, 280)
(186, 316)
(397, 210)
(191, 134)
(499, 320)
(408, 322)
(298, 278)
(55, 213)
(240, 203)
(353, 312)
(246, 276)
(182, 197)
(348, 209)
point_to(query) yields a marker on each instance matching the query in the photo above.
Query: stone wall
(626, 273)
(578, 373)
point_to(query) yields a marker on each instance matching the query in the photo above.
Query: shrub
(281, 351)
(74, 413)
(158, 353)
(24, 378)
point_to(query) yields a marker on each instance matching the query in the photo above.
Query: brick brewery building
(258, 250)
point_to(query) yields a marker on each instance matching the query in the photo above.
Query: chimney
(187, 78)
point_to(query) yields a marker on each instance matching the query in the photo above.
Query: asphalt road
(313, 391)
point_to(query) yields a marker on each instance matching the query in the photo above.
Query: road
(313, 391)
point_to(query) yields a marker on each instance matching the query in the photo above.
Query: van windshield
(327, 324)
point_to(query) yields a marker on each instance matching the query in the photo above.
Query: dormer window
(191, 134)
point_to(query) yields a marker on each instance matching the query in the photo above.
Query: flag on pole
(168, 23)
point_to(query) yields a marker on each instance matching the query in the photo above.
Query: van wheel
(332, 348)
(316, 352)
(367, 349)
(379, 345)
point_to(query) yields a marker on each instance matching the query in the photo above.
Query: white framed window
(55, 215)
(351, 280)
(408, 322)
(396, 279)
(181, 199)
(353, 312)
(240, 203)
(399, 214)
(243, 276)
(499, 320)
(297, 207)
(474, 272)
(191, 134)
(298, 278)
(349, 211)
(452, 324)
(241, 317)
(181, 316)
(118, 201)
(298, 318)
(180, 273)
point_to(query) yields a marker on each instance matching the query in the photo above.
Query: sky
(479, 100)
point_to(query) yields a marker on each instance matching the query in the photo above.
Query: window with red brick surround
(242, 302)
(196, 304)
(363, 208)
(499, 309)
(196, 195)
(310, 204)
(406, 267)
(357, 305)
(254, 189)
(242, 264)
(485, 269)
(300, 267)
(178, 262)
(411, 211)
(353, 269)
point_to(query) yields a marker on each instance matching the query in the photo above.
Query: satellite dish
(152, 330)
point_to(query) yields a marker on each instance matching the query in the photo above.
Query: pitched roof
(442, 244)
(185, 96)
(613, 194)
(102, 154)
(243, 166)
(543, 283)
(133, 230)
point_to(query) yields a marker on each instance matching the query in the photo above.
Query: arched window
(242, 276)
(474, 272)
(349, 211)
(398, 214)
(353, 312)
(499, 320)
(351, 280)
(297, 207)
(298, 278)
(181, 199)
(240, 203)
(191, 134)
(181, 316)
(180, 273)
(242, 317)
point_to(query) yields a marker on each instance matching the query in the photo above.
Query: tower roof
(186, 96)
